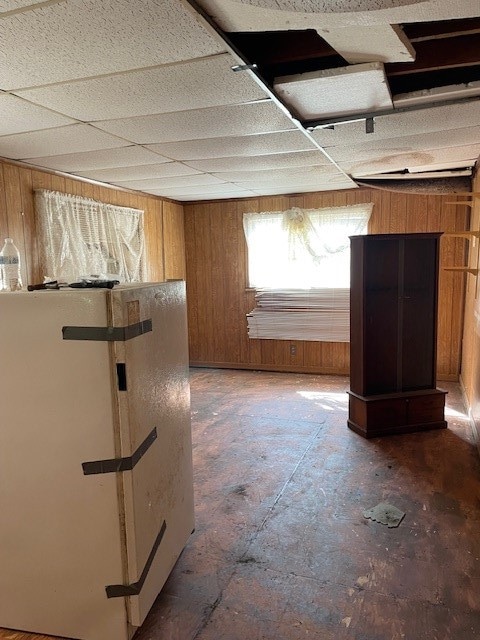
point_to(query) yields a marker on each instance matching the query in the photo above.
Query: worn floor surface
(281, 549)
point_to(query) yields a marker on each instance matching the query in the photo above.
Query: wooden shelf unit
(393, 332)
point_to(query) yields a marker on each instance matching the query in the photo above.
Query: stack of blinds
(294, 314)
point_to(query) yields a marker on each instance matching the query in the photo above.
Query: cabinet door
(419, 264)
(381, 331)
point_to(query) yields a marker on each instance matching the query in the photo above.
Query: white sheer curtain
(80, 236)
(303, 248)
(299, 263)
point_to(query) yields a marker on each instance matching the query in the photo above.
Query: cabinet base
(376, 432)
(393, 413)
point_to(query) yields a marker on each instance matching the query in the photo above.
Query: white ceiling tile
(310, 188)
(453, 116)
(103, 159)
(295, 185)
(201, 190)
(273, 161)
(262, 144)
(437, 94)
(442, 166)
(82, 39)
(51, 142)
(380, 43)
(336, 92)
(138, 172)
(18, 116)
(178, 87)
(378, 162)
(171, 182)
(183, 197)
(436, 140)
(410, 176)
(304, 174)
(232, 15)
(233, 120)
(342, 157)
(154, 183)
(328, 6)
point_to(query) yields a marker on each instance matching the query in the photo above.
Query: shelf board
(474, 272)
(462, 234)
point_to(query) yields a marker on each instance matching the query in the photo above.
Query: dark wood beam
(267, 48)
(441, 29)
(433, 55)
(430, 79)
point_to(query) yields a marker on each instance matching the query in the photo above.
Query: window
(303, 248)
(299, 263)
(83, 237)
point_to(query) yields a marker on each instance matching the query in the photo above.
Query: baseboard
(277, 368)
(447, 377)
(289, 368)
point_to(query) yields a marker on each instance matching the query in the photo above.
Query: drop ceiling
(143, 95)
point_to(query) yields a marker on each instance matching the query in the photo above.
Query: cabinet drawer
(426, 409)
(386, 413)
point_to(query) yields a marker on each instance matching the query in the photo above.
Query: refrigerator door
(155, 436)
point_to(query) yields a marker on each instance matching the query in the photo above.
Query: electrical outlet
(293, 350)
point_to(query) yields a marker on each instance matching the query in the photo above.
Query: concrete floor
(281, 549)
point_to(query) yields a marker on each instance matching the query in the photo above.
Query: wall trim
(447, 377)
(290, 368)
(276, 368)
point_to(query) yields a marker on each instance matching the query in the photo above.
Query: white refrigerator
(96, 489)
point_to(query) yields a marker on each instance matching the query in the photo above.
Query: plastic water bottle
(10, 276)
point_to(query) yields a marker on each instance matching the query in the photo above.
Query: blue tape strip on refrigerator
(107, 334)
(120, 464)
(123, 590)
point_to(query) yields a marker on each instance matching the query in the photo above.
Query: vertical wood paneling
(34, 273)
(470, 374)
(13, 201)
(3, 208)
(216, 266)
(153, 227)
(204, 281)
(447, 281)
(250, 350)
(232, 271)
(219, 301)
(174, 240)
(462, 221)
(192, 285)
(17, 218)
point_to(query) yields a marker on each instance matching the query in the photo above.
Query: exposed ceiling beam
(435, 55)
(441, 29)
(277, 47)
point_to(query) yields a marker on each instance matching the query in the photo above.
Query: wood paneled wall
(218, 299)
(163, 220)
(470, 374)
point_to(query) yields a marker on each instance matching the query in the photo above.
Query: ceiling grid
(143, 95)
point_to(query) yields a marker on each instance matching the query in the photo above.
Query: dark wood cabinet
(393, 334)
